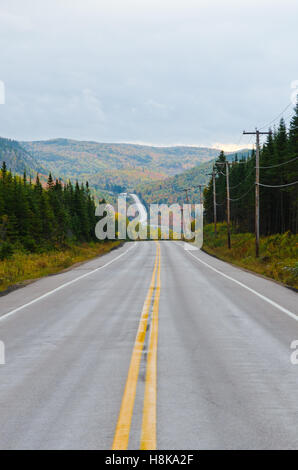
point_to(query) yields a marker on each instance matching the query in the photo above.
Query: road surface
(150, 346)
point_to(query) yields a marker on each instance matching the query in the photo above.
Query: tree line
(278, 167)
(34, 218)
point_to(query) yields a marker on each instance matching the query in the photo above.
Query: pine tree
(278, 166)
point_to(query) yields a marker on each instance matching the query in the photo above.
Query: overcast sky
(160, 72)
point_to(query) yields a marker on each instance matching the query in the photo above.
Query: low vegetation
(21, 266)
(278, 253)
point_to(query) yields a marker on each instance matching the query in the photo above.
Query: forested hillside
(34, 218)
(171, 190)
(115, 167)
(278, 185)
(159, 173)
(17, 158)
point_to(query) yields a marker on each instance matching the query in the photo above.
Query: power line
(279, 164)
(210, 207)
(243, 195)
(279, 115)
(238, 143)
(249, 140)
(278, 185)
(243, 181)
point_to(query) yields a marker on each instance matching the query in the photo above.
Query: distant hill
(171, 190)
(115, 166)
(157, 173)
(17, 158)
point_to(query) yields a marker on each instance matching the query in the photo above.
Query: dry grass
(278, 253)
(22, 267)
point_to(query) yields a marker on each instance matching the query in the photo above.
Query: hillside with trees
(114, 167)
(171, 190)
(18, 159)
(72, 158)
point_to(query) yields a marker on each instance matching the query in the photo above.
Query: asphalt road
(150, 346)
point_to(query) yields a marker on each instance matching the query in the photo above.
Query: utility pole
(226, 164)
(214, 200)
(228, 205)
(187, 200)
(257, 133)
(186, 192)
(200, 188)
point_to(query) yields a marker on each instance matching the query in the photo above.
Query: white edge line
(271, 302)
(8, 314)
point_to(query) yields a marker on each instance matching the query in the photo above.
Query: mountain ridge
(114, 167)
(17, 158)
(110, 168)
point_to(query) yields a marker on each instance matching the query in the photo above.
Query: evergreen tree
(42, 218)
(278, 166)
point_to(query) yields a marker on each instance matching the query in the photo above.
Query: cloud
(88, 103)
(14, 22)
(2, 92)
(229, 147)
(164, 72)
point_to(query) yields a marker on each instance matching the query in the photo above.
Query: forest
(278, 185)
(36, 218)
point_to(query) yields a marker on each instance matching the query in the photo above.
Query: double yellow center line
(148, 432)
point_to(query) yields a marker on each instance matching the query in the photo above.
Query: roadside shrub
(278, 253)
(65, 263)
(30, 244)
(6, 250)
(292, 269)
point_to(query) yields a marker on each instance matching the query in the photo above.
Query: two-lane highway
(150, 346)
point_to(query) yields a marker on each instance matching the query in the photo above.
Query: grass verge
(22, 267)
(278, 253)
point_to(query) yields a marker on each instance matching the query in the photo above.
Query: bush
(30, 244)
(292, 269)
(6, 250)
(278, 253)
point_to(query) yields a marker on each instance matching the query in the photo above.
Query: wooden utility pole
(200, 186)
(257, 204)
(257, 133)
(214, 200)
(186, 192)
(200, 189)
(228, 205)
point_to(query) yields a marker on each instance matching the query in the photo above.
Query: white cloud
(14, 22)
(230, 147)
(152, 71)
(92, 104)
